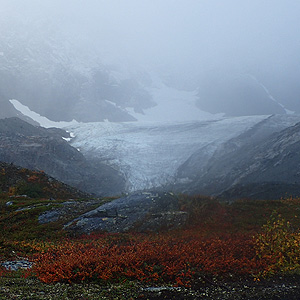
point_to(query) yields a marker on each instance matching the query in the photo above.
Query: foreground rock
(145, 211)
(17, 264)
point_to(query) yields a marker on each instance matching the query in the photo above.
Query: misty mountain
(236, 95)
(37, 148)
(261, 162)
(50, 75)
(205, 87)
(66, 76)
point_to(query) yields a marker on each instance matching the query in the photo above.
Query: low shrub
(279, 245)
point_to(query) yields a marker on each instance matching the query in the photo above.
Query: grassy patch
(32, 289)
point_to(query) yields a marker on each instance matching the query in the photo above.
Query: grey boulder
(144, 211)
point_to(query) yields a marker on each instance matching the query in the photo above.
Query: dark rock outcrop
(7, 110)
(68, 210)
(145, 211)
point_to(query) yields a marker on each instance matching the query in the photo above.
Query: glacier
(148, 154)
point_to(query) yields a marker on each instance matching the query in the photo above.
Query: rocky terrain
(275, 289)
(146, 211)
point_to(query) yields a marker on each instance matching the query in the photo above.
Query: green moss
(32, 190)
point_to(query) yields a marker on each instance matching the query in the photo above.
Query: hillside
(16, 181)
(37, 148)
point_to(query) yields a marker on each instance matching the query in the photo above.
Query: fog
(190, 40)
(177, 32)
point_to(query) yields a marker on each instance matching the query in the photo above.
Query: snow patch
(66, 139)
(172, 106)
(112, 103)
(43, 121)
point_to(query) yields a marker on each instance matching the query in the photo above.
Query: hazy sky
(190, 33)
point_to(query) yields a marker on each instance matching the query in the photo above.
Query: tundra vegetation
(246, 239)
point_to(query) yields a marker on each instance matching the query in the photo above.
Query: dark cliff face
(44, 149)
(260, 157)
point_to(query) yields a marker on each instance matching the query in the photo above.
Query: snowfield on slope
(149, 154)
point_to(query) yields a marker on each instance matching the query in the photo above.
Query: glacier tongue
(148, 154)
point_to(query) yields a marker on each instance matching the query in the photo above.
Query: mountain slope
(44, 149)
(45, 70)
(236, 95)
(252, 157)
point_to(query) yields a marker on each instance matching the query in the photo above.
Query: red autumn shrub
(161, 258)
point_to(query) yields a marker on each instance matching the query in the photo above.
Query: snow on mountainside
(237, 94)
(172, 105)
(148, 154)
(41, 120)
